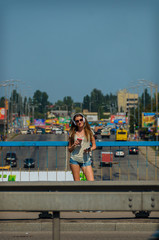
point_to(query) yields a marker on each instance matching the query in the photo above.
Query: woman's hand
(77, 142)
(74, 145)
(87, 150)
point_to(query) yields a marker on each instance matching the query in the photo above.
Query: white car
(119, 153)
(24, 131)
(58, 131)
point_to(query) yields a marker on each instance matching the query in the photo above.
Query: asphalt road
(131, 167)
(76, 235)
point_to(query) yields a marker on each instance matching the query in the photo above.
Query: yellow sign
(148, 120)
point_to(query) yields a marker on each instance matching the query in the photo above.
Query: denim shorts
(85, 164)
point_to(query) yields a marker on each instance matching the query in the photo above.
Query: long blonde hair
(73, 129)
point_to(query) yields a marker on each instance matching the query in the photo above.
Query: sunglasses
(80, 120)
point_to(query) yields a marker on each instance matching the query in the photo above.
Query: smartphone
(88, 148)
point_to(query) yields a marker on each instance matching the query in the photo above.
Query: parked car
(11, 159)
(133, 150)
(119, 153)
(29, 163)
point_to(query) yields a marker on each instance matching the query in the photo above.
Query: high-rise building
(126, 100)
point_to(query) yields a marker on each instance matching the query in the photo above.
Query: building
(126, 100)
(91, 116)
(57, 113)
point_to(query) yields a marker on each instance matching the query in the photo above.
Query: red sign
(2, 113)
(112, 118)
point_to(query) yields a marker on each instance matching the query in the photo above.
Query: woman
(80, 138)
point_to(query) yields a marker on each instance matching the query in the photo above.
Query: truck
(105, 132)
(31, 129)
(106, 158)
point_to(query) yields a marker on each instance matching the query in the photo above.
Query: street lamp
(152, 85)
(134, 87)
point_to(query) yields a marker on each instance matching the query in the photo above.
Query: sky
(70, 47)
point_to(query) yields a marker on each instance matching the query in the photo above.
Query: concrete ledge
(73, 227)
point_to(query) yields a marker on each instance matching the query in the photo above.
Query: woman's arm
(71, 146)
(93, 144)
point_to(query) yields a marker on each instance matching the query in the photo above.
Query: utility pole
(156, 112)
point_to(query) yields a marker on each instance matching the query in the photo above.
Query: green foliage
(78, 109)
(82, 177)
(68, 101)
(40, 101)
(86, 102)
(38, 106)
(99, 103)
(11, 178)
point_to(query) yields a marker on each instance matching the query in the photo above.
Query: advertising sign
(119, 119)
(148, 120)
(39, 122)
(2, 113)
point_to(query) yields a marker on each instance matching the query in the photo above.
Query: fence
(52, 161)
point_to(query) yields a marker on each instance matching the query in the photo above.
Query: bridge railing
(141, 198)
(52, 161)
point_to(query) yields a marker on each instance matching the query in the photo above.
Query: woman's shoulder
(92, 132)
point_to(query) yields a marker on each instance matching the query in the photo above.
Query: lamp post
(5, 114)
(6, 118)
(156, 112)
(135, 87)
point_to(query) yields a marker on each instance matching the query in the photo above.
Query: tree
(40, 101)
(68, 101)
(59, 104)
(146, 101)
(96, 100)
(86, 101)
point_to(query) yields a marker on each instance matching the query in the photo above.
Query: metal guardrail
(139, 197)
(65, 143)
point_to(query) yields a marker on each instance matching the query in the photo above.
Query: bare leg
(88, 172)
(75, 171)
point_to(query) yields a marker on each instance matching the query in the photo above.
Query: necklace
(80, 134)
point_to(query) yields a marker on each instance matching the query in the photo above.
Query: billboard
(119, 118)
(148, 120)
(2, 113)
(39, 122)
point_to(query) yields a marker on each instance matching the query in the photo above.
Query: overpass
(139, 197)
